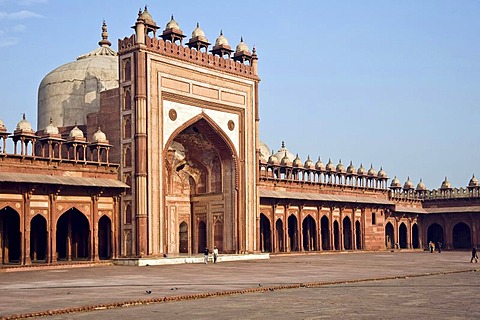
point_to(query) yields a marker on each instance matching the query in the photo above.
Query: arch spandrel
(227, 124)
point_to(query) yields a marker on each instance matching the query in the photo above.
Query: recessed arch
(325, 232)
(461, 234)
(389, 236)
(265, 234)
(73, 236)
(105, 238)
(38, 238)
(403, 236)
(10, 235)
(309, 228)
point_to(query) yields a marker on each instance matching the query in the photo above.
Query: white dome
(24, 125)
(241, 46)
(51, 129)
(221, 40)
(282, 152)
(71, 91)
(76, 133)
(99, 136)
(198, 32)
(264, 151)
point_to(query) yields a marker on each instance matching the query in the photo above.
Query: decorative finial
(172, 17)
(221, 32)
(23, 116)
(198, 25)
(283, 144)
(241, 39)
(104, 42)
(51, 121)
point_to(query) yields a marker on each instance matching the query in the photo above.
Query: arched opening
(309, 234)
(435, 233)
(183, 235)
(292, 233)
(104, 238)
(265, 242)
(325, 232)
(415, 237)
(10, 237)
(358, 235)
(402, 235)
(389, 236)
(73, 236)
(202, 237)
(461, 236)
(38, 238)
(347, 233)
(279, 230)
(200, 164)
(336, 235)
(218, 235)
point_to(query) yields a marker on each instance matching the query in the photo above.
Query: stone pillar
(94, 227)
(140, 154)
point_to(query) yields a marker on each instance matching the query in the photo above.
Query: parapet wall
(189, 55)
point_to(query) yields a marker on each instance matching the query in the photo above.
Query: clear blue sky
(392, 83)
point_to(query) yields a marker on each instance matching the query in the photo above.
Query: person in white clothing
(215, 254)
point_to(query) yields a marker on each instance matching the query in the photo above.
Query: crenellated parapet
(221, 57)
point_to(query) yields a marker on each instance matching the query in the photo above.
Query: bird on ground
(148, 291)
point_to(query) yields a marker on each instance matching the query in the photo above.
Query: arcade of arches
(289, 228)
(72, 236)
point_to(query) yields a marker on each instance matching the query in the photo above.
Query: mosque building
(155, 150)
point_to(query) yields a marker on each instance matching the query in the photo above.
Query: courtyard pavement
(381, 285)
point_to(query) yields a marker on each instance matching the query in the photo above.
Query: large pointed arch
(201, 180)
(209, 121)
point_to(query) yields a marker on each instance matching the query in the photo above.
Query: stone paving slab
(42, 290)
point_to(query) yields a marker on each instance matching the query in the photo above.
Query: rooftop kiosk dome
(70, 92)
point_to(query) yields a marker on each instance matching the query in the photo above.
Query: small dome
(421, 186)
(198, 32)
(361, 170)
(172, 24)
(351, 168)
(273, 159)
(473, 182)
(395, 183)
(319, 165)
(99, 136)
(281, 152)
(241, 46)
(2, 126)
(264, 151)
(330, 166)
(382, 174)
(286, 160)
(145, 15)
(297, 162)
(221, 40)
(408, 184)
(309, 164)
(372, 172)
(446, 184)
(340, 167)
(24, 125)
(51, 129)
(76, 133)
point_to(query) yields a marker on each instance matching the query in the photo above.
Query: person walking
(474, 255)
(439, 247)
(205, 255)
(215, 254)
